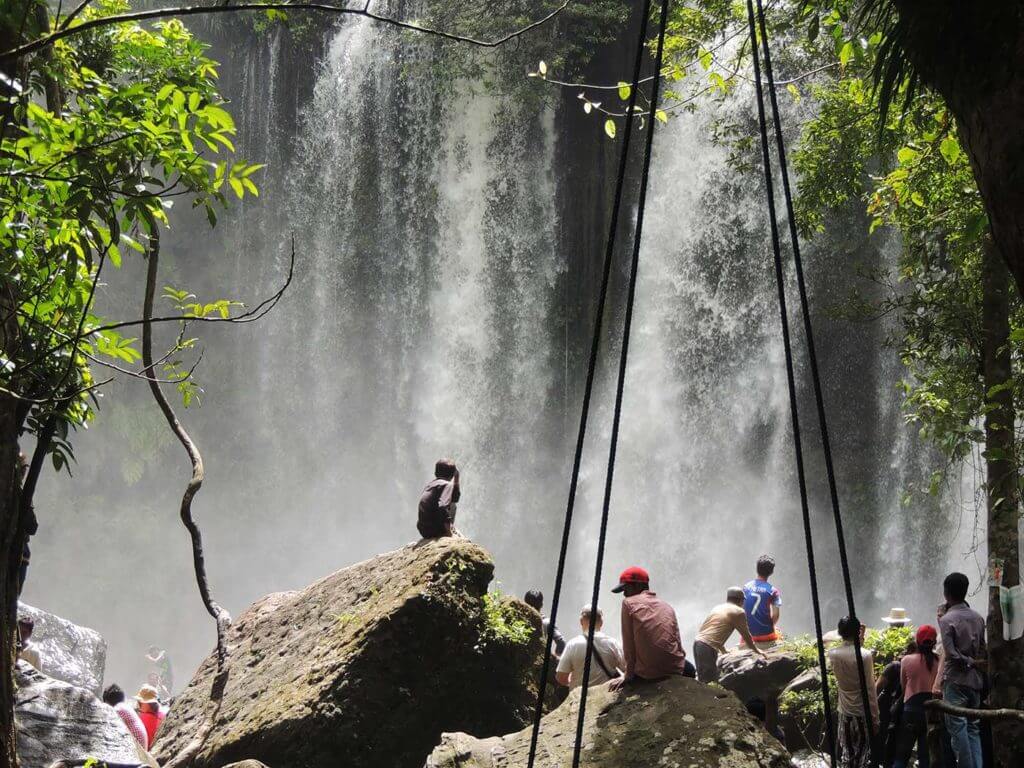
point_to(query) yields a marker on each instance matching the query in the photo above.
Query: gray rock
(807, 759)
(749, 677)
(76, 655)
(58, 721)
(808, 680)
(247, 764)
(367, 667)
(677, 723)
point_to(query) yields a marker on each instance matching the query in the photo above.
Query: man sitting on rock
(763, 603)
(650, 633)
(607, 659)
(717, 628)
(437, 504)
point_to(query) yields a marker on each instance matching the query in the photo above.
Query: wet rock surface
(56, 720)
(76, 655)
(368, 666)
(677, 723)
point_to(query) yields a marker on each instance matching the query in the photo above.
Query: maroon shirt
(650, 638)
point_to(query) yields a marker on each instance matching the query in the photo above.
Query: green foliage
(805, 706)
(83, 185)
(503, 622)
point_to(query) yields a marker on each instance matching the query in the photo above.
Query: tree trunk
(972, 53)
(10, 558)
(11, 418)
(1006, 658)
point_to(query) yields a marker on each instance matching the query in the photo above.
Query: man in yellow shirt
(717, 628)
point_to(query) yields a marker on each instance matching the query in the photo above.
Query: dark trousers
(913, 731)
(706, 659)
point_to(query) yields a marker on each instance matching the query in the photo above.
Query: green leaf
(609, 128)
(846, 53)
(661, 115)
(907, 155)
(624, 91)
(950, 149)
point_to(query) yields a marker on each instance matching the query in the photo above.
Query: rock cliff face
(678, 723)
(368, 666)
(60, 721)
(74, 654)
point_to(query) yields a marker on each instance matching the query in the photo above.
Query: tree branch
(221, 616)
(975, 714)
(200, 10)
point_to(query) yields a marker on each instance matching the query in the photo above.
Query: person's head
(926, 638)
(633, 581)
(535, 599)
(153, 650)
(585, 619)
(444, 469)
(765, 566)
(940, 610)
(25, 627)
(954, 588)
(113, 695)
(735, 596)
(148, 699)
(850, 627)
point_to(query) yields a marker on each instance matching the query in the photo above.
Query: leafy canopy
(82, 185)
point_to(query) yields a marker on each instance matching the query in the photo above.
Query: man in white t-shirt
(607, 662)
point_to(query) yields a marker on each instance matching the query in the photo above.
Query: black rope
(620, 385)
(595, 345)
(813, 363)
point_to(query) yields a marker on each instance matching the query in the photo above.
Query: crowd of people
(886, 715)
(945, 662)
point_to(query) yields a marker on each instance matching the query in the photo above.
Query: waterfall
(448, 234)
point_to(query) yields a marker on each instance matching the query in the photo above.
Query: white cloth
(844, 665)
(575, 655)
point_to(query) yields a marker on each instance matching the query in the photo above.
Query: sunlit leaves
(609, 128)
(85, 188)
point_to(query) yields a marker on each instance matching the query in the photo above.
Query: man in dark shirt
(535, 599)
(437, 504)
(963, 646)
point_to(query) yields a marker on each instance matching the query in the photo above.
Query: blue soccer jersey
(760, 596)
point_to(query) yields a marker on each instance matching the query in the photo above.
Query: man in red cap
(650, 632)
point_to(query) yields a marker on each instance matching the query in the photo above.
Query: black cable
(791, 382)
(812, 357)
(620, 386)
(595, 345)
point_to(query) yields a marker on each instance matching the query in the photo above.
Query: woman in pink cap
(917, 676)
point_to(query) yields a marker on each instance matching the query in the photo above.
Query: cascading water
(439, 308)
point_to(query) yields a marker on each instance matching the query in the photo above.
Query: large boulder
(68, 652)
(57, 721)
(367, 667)
(677, 723)
(750, 677)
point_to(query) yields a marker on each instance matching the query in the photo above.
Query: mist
(447, 248)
